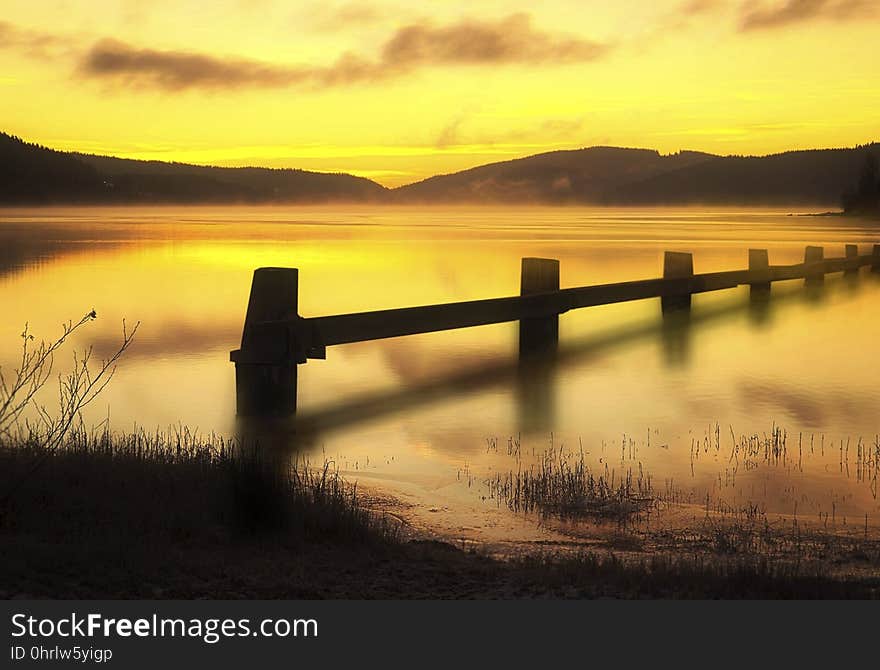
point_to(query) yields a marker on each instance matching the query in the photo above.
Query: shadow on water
(535, 392)
(534, 380)
(675, 335)
(760, 307)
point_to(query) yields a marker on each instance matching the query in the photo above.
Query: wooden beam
(539, 335)
(275, 338)
(303, 338)
(677, 265)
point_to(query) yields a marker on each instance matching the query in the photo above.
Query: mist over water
(423, 417)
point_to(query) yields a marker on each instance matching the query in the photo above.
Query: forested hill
(819, 177)
(613, 176)
(32, 174)
(577, 176)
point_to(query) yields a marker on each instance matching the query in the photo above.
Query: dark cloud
(512, 40)
(759, 15)
(177, 70)
(34, 43)
(174, 70)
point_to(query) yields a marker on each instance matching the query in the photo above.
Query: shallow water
(429, 417)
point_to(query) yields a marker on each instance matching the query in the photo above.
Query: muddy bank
(131, 518)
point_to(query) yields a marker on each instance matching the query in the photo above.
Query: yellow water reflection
(412, 414)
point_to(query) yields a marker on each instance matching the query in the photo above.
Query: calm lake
(429, 418)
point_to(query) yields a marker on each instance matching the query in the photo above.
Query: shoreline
(127, 519)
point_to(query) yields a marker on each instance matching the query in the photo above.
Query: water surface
(429, 417)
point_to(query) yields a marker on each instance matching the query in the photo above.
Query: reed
(564, 485)
(169, 486)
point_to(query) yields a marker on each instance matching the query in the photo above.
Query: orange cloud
(173, 70)
(34, 43)
(758, 16)
(512, 40)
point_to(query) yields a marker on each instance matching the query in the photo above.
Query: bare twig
(76, 390)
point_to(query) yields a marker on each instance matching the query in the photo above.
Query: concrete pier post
(677, 265)
(265, 370)
(852, 252)
(539, 335)
(759, 272)
(814, 255)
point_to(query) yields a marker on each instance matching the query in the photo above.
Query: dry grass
(174, 486)
(563, 484)
(173, 515)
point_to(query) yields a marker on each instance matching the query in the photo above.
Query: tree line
(865, 198)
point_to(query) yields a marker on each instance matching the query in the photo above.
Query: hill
(611, 176)
(32, 174)
(577, 176)
(818, 177)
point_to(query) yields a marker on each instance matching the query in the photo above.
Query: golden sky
(397, 91)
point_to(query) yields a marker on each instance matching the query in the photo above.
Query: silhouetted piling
(759, 273)
(677, 265)
(852, 253)
(539, 335)
(814, 255)
(276, 339)
(265, 367)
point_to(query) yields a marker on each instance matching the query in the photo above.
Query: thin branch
(76, 390)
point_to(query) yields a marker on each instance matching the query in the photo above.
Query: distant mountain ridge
(33, 174)
(612, 176)
(578, 175)
(816, 176)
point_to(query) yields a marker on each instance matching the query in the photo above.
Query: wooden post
(539, 335)
(875, 259)
(814, 255)
(759, 272)
(677, 265)
(852, 252)
(265, 370)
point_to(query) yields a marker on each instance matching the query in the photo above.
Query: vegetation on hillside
(865, 198)
(32, 174)
(597, 175)
(611, 176)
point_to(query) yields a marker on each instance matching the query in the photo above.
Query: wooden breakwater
(276, 339)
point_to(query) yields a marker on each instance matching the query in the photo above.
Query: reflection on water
(536, 389)
(411, 414)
